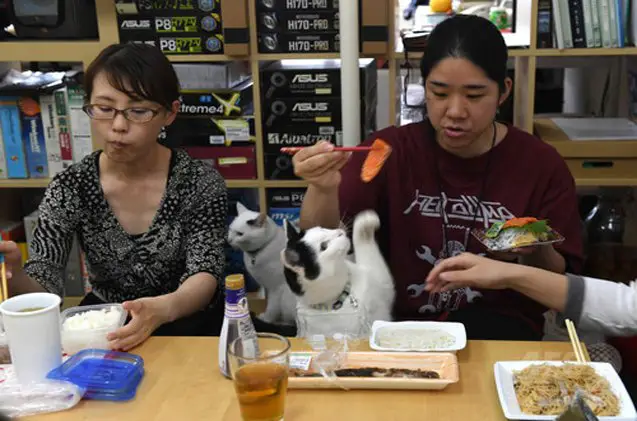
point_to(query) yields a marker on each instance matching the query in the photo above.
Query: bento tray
(445, 364)
(491, 243)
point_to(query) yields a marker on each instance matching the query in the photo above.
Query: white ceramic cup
(33, 336)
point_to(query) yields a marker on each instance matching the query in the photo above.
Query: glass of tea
(260, 375)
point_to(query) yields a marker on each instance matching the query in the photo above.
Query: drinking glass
(261, 377)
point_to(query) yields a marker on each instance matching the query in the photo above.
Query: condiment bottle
(236, 322)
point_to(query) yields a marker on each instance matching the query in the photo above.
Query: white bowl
(503, 371)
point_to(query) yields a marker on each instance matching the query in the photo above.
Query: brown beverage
(261, 390)
(30, 309)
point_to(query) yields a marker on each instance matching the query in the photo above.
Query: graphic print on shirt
(456, 210)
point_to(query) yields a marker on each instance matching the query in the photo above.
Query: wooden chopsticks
(4, 290)
(580, 354)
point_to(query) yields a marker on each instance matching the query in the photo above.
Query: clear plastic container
(104, 375)
(86, 327)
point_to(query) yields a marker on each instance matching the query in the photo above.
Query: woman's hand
(147, 314)
(319, 165)
(469, 270)
(12, 256)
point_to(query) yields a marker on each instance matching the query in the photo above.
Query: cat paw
(366, 224)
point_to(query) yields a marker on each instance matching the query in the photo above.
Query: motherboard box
(184, 45)
(215, 131)
(285, 203)
(298, 22)
(272, 42)
(298, 78)
(133, 7)
(296, 5)
(284, 113)
(233, 102)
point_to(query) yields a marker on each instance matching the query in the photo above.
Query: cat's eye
(251, 222)
(324, 245)
(239, 233)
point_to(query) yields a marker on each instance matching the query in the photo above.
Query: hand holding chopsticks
(575, 342)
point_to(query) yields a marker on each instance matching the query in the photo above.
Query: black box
(198, 131)
(132, 7)
(286, 112)
(307, 135)
(272, 42)
(298, 22)
(182, 45)
(297, 78)
(233, 102)
(144, 25)
(296, 5)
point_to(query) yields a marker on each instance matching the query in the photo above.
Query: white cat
(261, 241)
(319, 272)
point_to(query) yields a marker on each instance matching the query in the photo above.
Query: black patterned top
(186, 237)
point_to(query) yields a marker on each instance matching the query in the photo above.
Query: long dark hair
(139, 70)
(470, 37)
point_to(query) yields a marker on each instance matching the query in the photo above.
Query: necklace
(443, 213)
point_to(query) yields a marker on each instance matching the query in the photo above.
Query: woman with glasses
(457, 170)
(151, 220)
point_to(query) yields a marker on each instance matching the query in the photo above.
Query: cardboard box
(296, 5)
(232, 162)
(187, 131)
(233, 102)
(298, 22)
(134, 7)
(284, 204)
(284, 43)
(298, 78)
(208, 76)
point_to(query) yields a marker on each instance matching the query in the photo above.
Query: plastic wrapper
(350, 323)
(517, 233)
(38, 398)
(332, 355)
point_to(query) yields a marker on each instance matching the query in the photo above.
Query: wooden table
(182, 382)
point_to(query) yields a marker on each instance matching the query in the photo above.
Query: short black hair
(470, 37)
(141, 67)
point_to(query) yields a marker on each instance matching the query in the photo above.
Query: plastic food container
(104, 375)
(86, 327)
(418, 336)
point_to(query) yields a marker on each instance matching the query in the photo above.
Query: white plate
(503, 371)
(457, 330)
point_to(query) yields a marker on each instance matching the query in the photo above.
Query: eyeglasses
(134, 114)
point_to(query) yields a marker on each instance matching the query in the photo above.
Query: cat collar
(340, 300)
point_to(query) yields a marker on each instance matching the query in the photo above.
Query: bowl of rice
(87, 327)
(418, 336)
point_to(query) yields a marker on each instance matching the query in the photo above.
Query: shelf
(548, 131)
(64, 51)
(606, 182)
(205, 57)
(595, 52)
(31, 183)
(305, 56)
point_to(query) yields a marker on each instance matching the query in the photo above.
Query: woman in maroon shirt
(457, 170)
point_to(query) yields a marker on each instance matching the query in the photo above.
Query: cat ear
(291, 257)
(291, 232)
(261, 219)
(241, 208)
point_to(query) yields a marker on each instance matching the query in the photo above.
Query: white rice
(414, 339)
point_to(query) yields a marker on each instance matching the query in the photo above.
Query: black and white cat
(261, 241)
(319, 272)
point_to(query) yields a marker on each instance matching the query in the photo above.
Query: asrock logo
(135, 24)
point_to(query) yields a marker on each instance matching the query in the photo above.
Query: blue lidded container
(105, 375)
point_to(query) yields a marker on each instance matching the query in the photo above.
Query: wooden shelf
(205, 57)
(606, 182)
(315, 56)
(31, 183)
(62, 51)
(595, 52)
(548, 131)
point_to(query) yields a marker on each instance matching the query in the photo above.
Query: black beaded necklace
(443, 213)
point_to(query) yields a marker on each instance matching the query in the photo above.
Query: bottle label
(236, 304)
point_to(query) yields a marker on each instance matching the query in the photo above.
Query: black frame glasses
(89, 109)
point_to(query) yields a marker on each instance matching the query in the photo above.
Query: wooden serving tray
(445, 364)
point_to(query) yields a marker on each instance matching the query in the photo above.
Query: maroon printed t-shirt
(526, 177)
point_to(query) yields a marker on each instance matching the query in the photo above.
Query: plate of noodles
(541, 390)
(418, 336)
